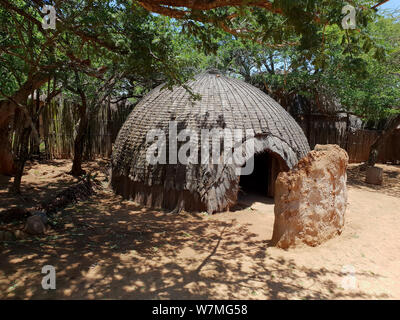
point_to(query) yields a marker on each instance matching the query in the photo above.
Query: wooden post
(374, 175)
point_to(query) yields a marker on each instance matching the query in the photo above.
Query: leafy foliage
(363, 79)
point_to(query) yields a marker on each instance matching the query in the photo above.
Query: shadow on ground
(110, 248)
(391, 179)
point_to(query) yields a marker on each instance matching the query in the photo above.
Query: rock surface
(311, 199)
(42, 216)
(34, 225)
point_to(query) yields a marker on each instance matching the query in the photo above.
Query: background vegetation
(114, 50)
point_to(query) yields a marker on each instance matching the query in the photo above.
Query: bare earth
(109, 248)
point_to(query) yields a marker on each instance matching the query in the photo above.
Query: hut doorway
(262, 180)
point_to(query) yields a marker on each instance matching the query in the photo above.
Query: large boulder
(311, 199)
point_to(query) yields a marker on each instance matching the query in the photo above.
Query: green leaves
(357, 68)
(289, 47)
(379, 54)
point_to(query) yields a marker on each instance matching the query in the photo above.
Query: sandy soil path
(108, 247)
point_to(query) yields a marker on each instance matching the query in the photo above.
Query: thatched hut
(225, 103)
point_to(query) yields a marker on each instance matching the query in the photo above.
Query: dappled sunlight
(106, 247)
(391, 179)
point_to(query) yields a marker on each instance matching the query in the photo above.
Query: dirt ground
(109, 248)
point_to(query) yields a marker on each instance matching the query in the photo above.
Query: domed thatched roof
(225, 103)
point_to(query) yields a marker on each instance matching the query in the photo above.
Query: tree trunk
(7, 165)
(21, 159)
(390, 127)
(46, 137)
(35, 144)
(7, 111)
(45, 120)
(80, 138)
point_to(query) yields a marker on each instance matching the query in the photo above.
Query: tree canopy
(117, 49)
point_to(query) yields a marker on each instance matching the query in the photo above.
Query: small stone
(42, 216)
(34, 225)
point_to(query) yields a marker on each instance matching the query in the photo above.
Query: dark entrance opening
(262, 180)
(257, 181)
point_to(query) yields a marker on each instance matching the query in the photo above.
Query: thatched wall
(59, 122)
(226, 103)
